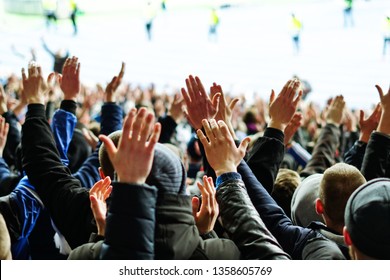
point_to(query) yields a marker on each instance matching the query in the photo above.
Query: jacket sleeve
(376, 161)
(62, 125)
(13, 138)
(130, 224)
(67, 202)
(354, 156)
(265, 157)
(243, 224)
(292, 238)
(8, 180)
(323, 155)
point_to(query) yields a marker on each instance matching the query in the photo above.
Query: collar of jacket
(176, 235)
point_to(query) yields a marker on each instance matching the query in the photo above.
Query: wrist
(70, 98)
(225, 169)
(277, 125)
(364, 137)
(37, 100)
(131, 180)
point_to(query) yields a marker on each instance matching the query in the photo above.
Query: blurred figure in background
(296, 28)
(348, 18)
(73, 14)
(214, 22)
(386, 33)
(150, 14)
(50, 11)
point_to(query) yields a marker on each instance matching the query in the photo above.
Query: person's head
(337, 185)
(303, 210)
(367, 221)
(5, 241)
(284, 187)
(167, 174)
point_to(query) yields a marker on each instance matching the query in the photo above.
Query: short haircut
(284, 187)
(337, 185)
(105, 162)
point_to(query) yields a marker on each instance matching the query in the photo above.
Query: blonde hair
(337, 185)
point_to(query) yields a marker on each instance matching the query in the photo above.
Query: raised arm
(356, 153)
(267, 153)
(324, 151)
(66, 200)
(376, 162)
(131, 218)
(239, 218)
(111, 120)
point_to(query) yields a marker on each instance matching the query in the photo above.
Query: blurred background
(250, 52)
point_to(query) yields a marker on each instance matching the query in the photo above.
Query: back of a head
(5, 241)
(337, 185)
(167, 173)
(367, 218)
(303, 210)
(284, 187)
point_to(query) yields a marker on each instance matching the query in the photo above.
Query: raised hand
(98, 195)
(225, 111)
(70, 79)
(34, 85)
(199, 104)
(113, 85)
(367, 126)
(335, 112)
(384, 123)
(221, 151)
(207, 214)
(133, 158)
(292, 127)
(283, 107)
(176, 109)
(4, 127)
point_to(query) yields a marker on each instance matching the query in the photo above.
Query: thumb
(244, 145)
(111, 149)
(272, 97)
(195, 206)
(233, 103)
(361, 116)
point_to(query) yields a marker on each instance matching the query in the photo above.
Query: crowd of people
(122, 172)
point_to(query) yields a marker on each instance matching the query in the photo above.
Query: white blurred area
(253, 52)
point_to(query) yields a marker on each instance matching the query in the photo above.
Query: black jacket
(244, 225)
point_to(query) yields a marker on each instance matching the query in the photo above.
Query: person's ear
(319, 207)
(347, 237)
(101, 173)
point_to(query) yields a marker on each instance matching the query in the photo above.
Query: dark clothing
(59, 60)
(354, 156)
(13, 139)
(272, 150)
(8, 180)
(130, 223)
(323, 155)
(244, 225)
(292, 238)
(68, 202)
(168, 127)
(61, 193)
(176, 235)
(376, 162)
